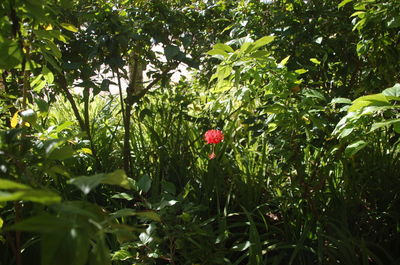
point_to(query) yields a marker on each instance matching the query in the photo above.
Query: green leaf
(285, 60)
(377, 125)
(40, 196)
(118, 177)
(43, 223)
(10, 54)
(370, 100)
(1, 223)
(223, 72)
(87, 183)
(62, 153)
(69, 27)
(316, 61)
(263, 41)
(48, 75)
(100, 254)
(217, 52)
(353, 148)
(393, 91)
(344, 2)
(6, 184)
(396, 127)
(171, 52)
(121, 255)
(151, 215)
(224, 47)
(144, 183)
(123, 195)
(301, 71)
(341, 101)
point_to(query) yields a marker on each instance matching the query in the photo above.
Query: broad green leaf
(370, 100)
(396, 127)
(64, 126)
(40, 196)
(171, 52)
(353, 148)
(222, 46)
(123, 195)
(72, 244)
(61, 153)
(218, 52)
(118, 177)
(100, 254)
(144, 183)
(10, 53)
(87, 183)
(263, 41)
(1, 223)
(43, 223)
(341, 101)
(151, 215)
(377, 125)
(393, 91)
(123, 213)
(223, 72)
(54, 50)
(6, 184)
(48, 75)
(312, 93)
(69, 27)
(345, 132)
(256, 55)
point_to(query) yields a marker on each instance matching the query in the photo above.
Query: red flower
(213, 136)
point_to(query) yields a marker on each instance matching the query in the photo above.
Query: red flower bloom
(213, 136)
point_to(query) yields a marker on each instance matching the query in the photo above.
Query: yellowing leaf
(15, 119)
(85, 150)
(48, 27)
(69, 27)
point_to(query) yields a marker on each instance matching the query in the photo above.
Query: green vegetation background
(306, 93)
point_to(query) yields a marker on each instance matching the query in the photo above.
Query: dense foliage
(306, 93)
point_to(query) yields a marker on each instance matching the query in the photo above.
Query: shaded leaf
(10, 54)
(353, 148)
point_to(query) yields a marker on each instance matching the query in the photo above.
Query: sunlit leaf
(263, 41)
(69, 27)
(6, 184)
